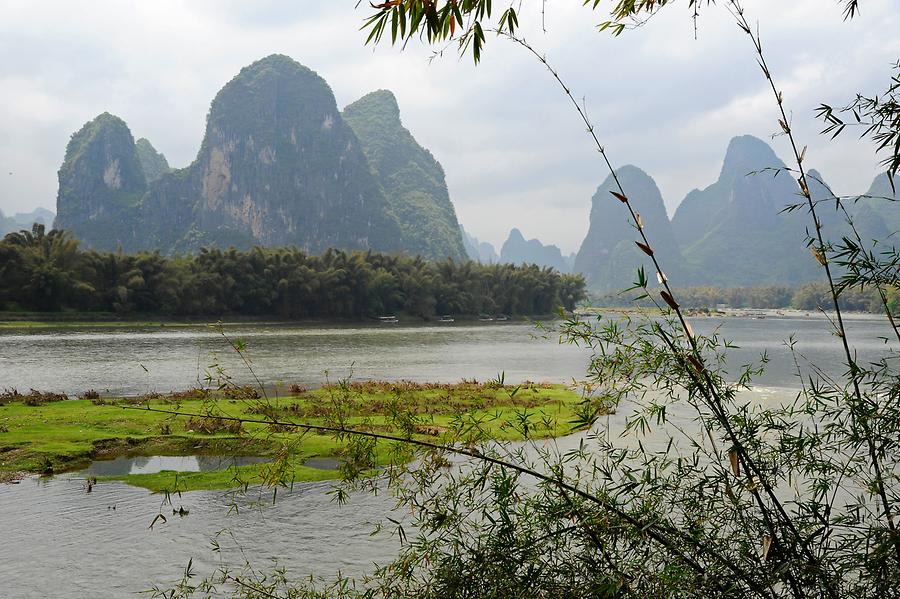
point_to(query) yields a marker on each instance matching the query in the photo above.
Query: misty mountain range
(24, 220)
(735, 232)
(281, 165)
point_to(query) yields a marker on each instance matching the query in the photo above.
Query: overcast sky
(513, 150)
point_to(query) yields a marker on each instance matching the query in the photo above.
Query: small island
(45, 433)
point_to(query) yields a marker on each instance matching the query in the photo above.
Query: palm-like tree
(49, 266)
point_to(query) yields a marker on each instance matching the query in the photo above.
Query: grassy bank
(39, 434)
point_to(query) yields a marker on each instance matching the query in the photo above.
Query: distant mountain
(479, 251)
(38, 215)
(517, 250)
(609, 257)
(25, 220)
(412, 180)
(879, 214)
(761, 195)
(736, 232)
(279, 165)
(101, 184)
(152, 162)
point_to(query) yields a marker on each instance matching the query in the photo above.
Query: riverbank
(80, 320)
(47, 435)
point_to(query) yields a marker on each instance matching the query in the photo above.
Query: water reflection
(154, 464)
(323, 463)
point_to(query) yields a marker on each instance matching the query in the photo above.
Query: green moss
(68, 435)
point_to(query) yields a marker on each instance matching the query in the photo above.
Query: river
(59, 541)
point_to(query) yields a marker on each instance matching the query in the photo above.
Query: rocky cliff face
(608, 257)
(101, 183)
(412, 180)
(517, 250)
(278, 166)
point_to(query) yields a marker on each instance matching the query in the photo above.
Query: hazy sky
(514, 152)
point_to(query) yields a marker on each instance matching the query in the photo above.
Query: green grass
(67, 435)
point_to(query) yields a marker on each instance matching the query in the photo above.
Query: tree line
(48, 271)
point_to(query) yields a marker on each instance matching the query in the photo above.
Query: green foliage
(40, 269)
(47, 272)
(466, 21)
(730, 497)
(877, 117)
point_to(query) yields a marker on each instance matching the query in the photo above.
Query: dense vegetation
(48, 272)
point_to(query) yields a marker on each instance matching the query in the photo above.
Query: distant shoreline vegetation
(809, 296)
(47, 272)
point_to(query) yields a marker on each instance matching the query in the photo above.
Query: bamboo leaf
(669, 299)
(733, 458)
(645, 248)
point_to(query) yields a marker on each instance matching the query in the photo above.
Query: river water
(59, 541)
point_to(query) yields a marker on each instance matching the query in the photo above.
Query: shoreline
(63, 320)
(30, 321)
